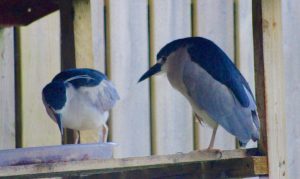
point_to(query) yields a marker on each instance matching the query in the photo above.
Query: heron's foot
(76, 136)
(103, 134)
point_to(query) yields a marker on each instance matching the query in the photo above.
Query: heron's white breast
(79, 112)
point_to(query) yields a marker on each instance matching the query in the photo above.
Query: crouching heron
(216, 90)
(80, 99)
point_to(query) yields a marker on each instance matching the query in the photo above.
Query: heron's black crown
(188, 41)
(55, 95)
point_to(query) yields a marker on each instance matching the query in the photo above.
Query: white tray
(51, 154)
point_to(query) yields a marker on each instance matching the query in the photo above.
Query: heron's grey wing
(107, 95)
(220, 103)
(210, 57)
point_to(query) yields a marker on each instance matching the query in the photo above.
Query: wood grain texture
(268, 51)
(244, 53)
(83, 33)
(39, 62)
(98, 32)
(7, 89)
(291, 46)
(259, 64)
(235, 163)
(171, 113)
(274, 79)
(127, 61)
(67, 34)
(84, 49)
(213, 19)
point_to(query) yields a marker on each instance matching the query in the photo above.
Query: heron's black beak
(58, 119)
(153, 70)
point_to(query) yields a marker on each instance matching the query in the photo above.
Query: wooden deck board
(231, 163)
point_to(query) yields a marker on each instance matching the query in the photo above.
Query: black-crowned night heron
(215, 88)
(80, 99)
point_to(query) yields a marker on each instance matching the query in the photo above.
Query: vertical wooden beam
(213, 19)
(259, 71)
(7, 89)
(269, 66)
(127, 35)
(67, 45)
(83, 33)
(39, 62)
(67, 34)
(172, 115)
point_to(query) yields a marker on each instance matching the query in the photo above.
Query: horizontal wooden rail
(198, 164)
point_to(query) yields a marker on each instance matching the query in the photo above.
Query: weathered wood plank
(213, 19)
(196, 164)
(98, 32)
(269, 62)
(67, 35)
(274, 74)
(127, 42)
(39, 62)
(231, 168)
(7, 89)
(260, 88)
(83, 33)
(291, 46)
(172, 122)
(67, 49)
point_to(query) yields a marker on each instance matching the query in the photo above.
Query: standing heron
(216, 90)
(80, 99)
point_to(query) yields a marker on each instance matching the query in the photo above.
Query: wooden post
(291, 38)
(269, 66)
(67, 47)
(67, 34)
(203, 164)
(98, 30)
(38, 45)
(7, 89)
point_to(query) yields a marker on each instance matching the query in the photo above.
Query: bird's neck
(175, 67)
